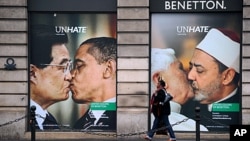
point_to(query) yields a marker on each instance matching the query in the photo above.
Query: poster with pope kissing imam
(193, 84)
(196, 45)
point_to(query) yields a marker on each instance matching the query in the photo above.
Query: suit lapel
(50, 122)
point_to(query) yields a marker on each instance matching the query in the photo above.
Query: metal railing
(33, 128)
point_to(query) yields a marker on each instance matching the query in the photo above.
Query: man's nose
(72, 72)
(191, 74)
(68, 76)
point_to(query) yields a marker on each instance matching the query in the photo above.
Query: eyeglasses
(66, 67)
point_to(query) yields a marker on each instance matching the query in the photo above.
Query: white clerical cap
(224, 46)
(161, 58)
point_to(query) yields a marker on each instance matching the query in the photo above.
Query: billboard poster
(198, 56)
(72, 70)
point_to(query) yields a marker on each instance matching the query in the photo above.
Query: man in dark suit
(215, 75)
(94, 83)
(49, 73)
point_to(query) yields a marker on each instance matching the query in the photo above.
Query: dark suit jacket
(49, 123)
(106, 123)
(215, 120)
(160, 106)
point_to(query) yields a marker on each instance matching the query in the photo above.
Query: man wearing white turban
(214, 72)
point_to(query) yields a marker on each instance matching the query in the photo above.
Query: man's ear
(228, 76)
(110, 69)
(33, 73)
(155, 78)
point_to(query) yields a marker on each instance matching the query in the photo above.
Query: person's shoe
(171, 140)
(147, 138)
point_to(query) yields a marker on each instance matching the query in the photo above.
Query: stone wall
(13, 84)
(133, 65)
(246, 63)
(133, 35)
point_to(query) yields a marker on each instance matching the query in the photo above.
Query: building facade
(133, 57)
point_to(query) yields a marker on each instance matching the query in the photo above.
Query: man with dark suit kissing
(94, 83)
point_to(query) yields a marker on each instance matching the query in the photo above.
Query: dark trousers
(167, 124)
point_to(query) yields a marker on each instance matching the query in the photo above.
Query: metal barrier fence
(33, 129)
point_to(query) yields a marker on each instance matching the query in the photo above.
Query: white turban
(222, 47)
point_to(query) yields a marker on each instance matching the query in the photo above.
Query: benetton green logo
(108, 106)
(226, 107)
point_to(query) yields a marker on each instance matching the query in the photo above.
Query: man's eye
(199, 71)
(78, 66)
(181, 67)
(61, 67)
(190, 67)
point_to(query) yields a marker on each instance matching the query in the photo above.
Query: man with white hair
(215, 75)
(165, 66)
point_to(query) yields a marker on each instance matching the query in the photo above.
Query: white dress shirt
(40, 112)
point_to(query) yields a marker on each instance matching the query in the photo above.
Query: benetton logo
(195, 4)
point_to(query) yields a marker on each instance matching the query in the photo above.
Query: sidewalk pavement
(124, 139)
(133, 138)
(183, 136)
